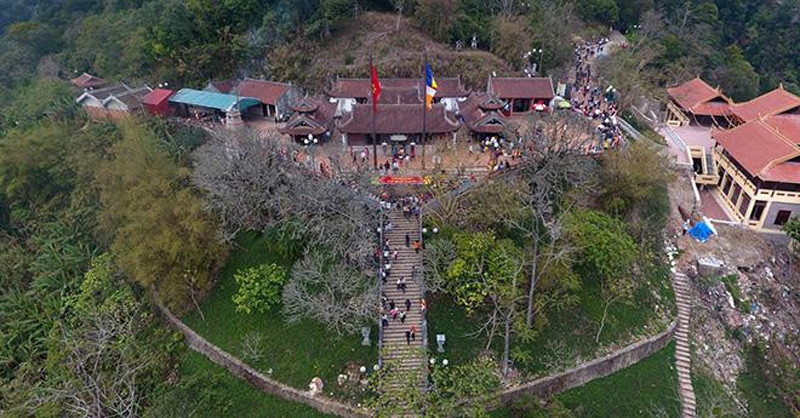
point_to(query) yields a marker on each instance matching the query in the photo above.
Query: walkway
(397, 352)
(683, 355)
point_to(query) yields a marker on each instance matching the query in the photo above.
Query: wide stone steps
(404, 357)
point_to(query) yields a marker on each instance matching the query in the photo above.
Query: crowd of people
(593, 101)
(385, 255)
(502, 153)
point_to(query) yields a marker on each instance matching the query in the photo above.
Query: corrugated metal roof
(211, 100)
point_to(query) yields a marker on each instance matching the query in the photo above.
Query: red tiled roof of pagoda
(397, 119)
(224, 86)
(86, 81)
(786, 125)
(362, 87)
(267, 92)
(713, 108)
(317, 121)
(522, 87)
(756, 146)
(475, 111)
(768, 104)
(305, 105)
(694, 93)
(786, 172)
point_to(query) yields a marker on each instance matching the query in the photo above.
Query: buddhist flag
(376, 87)
(430, 86)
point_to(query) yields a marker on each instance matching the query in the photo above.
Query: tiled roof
(786, 125)
(522, 87)
(786, 172)
(768, 104)
(757, 146)
(222, 86)
(481, 115)
(712, 108)
(694, 93)
(157, 96)
(86, 81)
(361, 88)
(130, 97)
(397, 119)
(268, 92)
(313, 115)
(133, 98)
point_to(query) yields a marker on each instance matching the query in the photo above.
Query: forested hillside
(745, 45)
(95, 216)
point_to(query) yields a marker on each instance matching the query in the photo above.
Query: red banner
(401, 180)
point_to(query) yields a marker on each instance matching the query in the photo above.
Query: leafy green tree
(792, 229)
(102, 327)
(486, 276)
(510, 39)
(608, 252)
(437, 17)
(600, 11)
(157, 226)
(455, 391)
(633, 188)
(737, 77)
(259, 287)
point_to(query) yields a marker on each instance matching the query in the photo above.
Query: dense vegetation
(746, 46)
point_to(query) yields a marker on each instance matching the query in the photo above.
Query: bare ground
(766, 277)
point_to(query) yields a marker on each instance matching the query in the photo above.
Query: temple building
(312, 116)
(695, 102)
(346, 112)
(350, 91)
(87, 81)
(759, 170)
(275, 97)
(482, 114)
(114, 101)
(522, 95)
(396, 124)
(752, 155)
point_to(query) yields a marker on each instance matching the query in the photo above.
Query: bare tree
(554, 165)
(438, 256)
(399, 7)
(248, 180)
(331, 292)
(253, 346)
(104, 364)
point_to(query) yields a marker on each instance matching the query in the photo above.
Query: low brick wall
(254, 377)
(586, 372)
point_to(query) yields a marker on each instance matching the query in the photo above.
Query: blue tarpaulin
(701, 232)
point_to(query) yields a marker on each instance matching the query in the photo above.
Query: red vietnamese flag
(376, 87)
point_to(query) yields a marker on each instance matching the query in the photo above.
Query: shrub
(260, 287)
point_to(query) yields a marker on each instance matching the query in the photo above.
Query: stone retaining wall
(586, 372)
(254, 377)
(542, 387)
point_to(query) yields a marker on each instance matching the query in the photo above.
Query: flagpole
(374, 137)
(424, 104)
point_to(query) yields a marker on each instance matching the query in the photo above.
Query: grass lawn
(762, 398)
(294, 353)
(646, 389)
(641, 390)
(244, 400)
(568, 335)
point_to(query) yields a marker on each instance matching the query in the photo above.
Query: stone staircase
(405, 360)
(683, 355)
